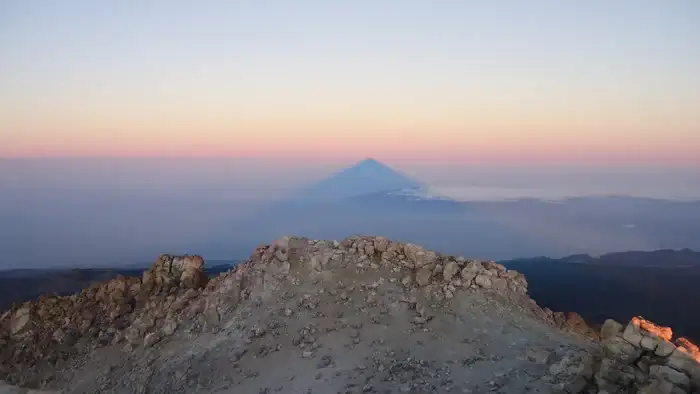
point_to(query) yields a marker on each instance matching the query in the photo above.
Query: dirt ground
(347, 330)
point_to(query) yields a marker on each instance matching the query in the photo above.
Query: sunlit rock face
(643, 358)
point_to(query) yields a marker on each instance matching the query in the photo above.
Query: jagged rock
(649, 343)
(689, 347)
(639, 327)
(20, 320)
(483, 281)
(622, 375)
(659, 387)
(169, 327)
(451, 268)
(620, 350)
(282, 243)
(132, 335)
(281, 255)
(175, 271)
(610, 329)
(417, 255)
(474, 266)
(644, 350)
(661, 372)
(683, 361)
(499, 284)
(423, 276)
(381, 244)
(493, 266)
(467, 275)
(664, 348)
(151, 339)
(121, 309)
(632, 334)
(575, 323)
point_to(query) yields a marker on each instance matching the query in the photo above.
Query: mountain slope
(363, 315)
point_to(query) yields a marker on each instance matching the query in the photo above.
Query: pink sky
(464, 82)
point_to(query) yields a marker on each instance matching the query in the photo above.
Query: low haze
(82, 212)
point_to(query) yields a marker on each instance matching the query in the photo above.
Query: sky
(594, 82)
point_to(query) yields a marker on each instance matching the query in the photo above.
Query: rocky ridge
(300, 308)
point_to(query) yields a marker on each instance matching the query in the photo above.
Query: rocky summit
(365, 315)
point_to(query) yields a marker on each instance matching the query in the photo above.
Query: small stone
(423, 276)
(307, 354)
(419, 320)
(451, 268)
(151, 339)
(59, 336)
(169, 327)
(483, 281)
(324, 361)
(539, 356)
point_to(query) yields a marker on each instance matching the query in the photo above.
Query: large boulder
(20, 320)
(610, 329)
(638, 328)
(575, 323)
(642, 359)
(417, 255)
(175, 271)
(451, 268)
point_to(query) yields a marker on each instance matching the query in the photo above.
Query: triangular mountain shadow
(365, 177)
(370, 198)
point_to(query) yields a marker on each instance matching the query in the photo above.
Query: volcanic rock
(364, 314)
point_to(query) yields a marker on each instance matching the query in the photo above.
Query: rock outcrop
(384, 316)
(41, 334)
(174, 272)
(641, 358)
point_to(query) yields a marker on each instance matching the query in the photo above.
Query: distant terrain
(29, 284)
(665, 258)
(660, 285)
(95, 213)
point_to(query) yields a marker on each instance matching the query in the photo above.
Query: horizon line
(359, 158)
